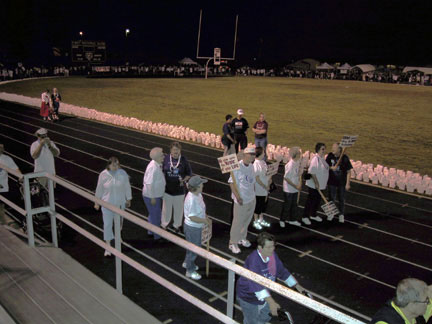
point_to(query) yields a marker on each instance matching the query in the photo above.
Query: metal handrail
(227, 264)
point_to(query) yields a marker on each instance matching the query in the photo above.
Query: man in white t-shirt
(243, 194)
(43, 152)
(6, 161)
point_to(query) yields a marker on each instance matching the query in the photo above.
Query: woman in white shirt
(319, 174)
(154, 188)
(291, 187)
(195, 218)
(113, 187)
(262, 186)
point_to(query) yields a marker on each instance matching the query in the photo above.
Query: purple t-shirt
(246, 288)
(261, 125)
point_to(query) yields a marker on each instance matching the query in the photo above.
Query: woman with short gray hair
(154, 188)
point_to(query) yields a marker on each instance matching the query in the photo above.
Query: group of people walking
(50, 105)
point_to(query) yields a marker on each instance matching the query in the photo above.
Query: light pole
(127, 32)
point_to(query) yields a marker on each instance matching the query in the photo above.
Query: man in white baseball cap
(43, 152)
(240, 126)
(243, 194)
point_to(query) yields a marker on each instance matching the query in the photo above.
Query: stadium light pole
(127, 32)
(81, 34)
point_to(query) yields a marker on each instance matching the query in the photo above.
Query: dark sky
(273, 32)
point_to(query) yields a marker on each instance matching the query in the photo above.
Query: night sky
(269, 33)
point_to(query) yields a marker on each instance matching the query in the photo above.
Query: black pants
(340, 192)
(289, 207)
(241, 140)
(261, 204)
(312, 203)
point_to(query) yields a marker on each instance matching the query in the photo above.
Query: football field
(392, 121)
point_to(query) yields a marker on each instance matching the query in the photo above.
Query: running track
(352, 266)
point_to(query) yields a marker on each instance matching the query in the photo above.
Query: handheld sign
(272, 169)
(348, 140)
(206, 235)
(228, 163)
(329, 207)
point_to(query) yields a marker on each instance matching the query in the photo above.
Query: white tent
(325, 66)
(365, 68)
(345, 67)
(187, 61)
(424, 70)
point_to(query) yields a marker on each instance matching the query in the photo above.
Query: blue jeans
(155, 212)
(254, 314)
(262, 142)
(193, 235)
(340, 191)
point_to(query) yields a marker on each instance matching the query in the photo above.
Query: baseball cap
(249, 150)
(195, 181)
(240, 112)
(41, 131)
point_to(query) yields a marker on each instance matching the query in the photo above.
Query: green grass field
(394, 122)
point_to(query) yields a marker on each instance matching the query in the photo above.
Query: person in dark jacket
(254, 299)
(412, 304)
(240, 126)
(339, 177)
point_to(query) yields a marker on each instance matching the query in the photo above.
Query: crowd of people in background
(382, 74)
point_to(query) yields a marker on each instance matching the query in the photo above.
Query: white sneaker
(282, 224)
(295, 223)
(316, 218)
(245, 243)
(330, 218)
(306, 221)
(184, 266)
(234, 248)
(194, 275)
(107, 253)
(264, 223)
(257, 225)
(341, 218)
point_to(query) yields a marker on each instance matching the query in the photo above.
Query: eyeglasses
(427, 301)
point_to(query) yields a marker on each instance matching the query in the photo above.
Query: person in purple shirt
(255, 300)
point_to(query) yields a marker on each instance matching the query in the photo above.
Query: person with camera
(43, 152)
(255, 300)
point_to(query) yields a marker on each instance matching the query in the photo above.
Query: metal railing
(119, 256)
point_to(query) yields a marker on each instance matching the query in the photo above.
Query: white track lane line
(192, 161)
(315, 231)
(210, 179)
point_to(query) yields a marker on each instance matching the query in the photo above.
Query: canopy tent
(345, 67)
(424, 70)
(365, 68)
(187, 61)
(305, 64)
(325, 66)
